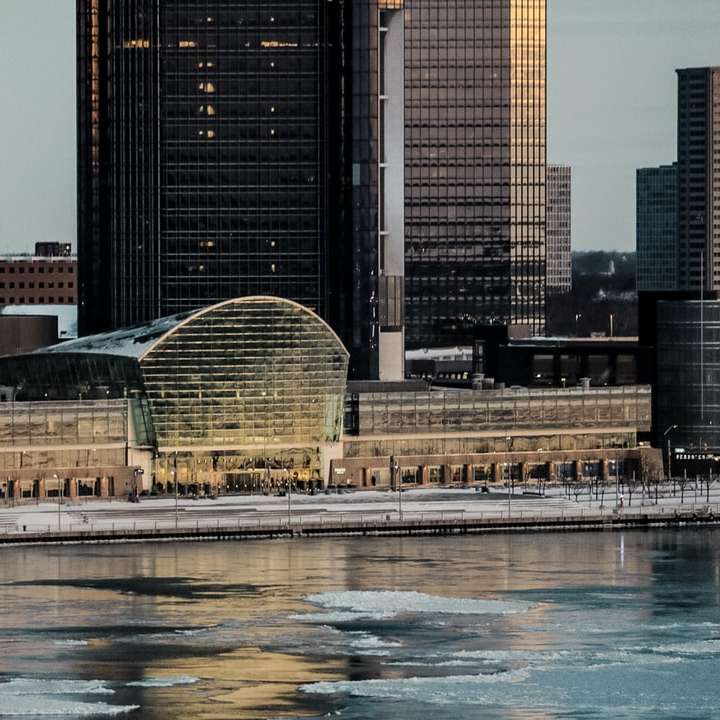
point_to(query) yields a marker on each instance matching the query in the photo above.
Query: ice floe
(38, 697)
(162, 682)
(379, 604)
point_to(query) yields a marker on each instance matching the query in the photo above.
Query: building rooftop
(38, 258)
(128, 342)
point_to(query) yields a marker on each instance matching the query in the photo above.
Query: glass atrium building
(246, 392)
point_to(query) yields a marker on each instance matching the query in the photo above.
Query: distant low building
(25, 333)
(53, 249)
(41, 285)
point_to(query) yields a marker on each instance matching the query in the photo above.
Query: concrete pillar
(578, 470)
(424, 474)
(551, 471)
(42, 488)
(604, 470)
(446, 474)
(496, 472)
(72, 488)
(103, 487)
(363, 477)
(524, 470)
(469, 473)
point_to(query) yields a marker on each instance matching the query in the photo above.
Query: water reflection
(225, 631)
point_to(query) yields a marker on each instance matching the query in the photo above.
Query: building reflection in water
(227, 613)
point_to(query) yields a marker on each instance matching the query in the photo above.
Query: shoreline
(300, 530)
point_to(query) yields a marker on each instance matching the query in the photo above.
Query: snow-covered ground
(371, 506)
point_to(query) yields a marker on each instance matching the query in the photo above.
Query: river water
(593, 625)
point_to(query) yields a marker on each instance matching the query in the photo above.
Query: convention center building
(251, 395)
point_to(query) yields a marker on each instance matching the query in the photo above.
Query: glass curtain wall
(213, 153)
(465, 410)
(256, 372)
(475, 167)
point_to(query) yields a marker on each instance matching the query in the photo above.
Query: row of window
(50, 269)
(31, 285)
(51, 300)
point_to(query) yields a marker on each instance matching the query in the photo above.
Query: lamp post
(394, 467)
(666, 435)
(508, 443)
(612, 318)
(59, 492)
(175, 487)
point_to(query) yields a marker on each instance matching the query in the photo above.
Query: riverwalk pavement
(365, 512)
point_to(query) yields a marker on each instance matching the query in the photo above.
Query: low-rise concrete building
(463, 436)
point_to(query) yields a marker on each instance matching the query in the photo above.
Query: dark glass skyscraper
(475, 167)
(558, 228)
(231, 148)
(698, 178)
(656, 228)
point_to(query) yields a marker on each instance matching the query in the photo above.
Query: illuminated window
(128, 44)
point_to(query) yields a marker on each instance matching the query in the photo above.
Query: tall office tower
(656, 228)
(559, 231)
(475, 167)
(698, 177)
(232, 148)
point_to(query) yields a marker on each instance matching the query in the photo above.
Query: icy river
(595, 625)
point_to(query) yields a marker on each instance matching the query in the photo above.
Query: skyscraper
(657, 228)
(475, 77)
(698, 177)
(559, 230)
(232, 148)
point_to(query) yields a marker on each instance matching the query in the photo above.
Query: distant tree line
(603, 285)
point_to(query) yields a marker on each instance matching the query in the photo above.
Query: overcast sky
(611, 108)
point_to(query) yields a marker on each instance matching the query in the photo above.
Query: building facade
(25, 333)
(559, 228)
(698, 173)
(687, 388)
(242, 395)
(38, 280)
(493, 436)
(475, 167)
(656, 228)
(251, 395)
(238, 149)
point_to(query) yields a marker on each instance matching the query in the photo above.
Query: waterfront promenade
(436, 511)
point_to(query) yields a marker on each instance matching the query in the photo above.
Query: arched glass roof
(253, 372)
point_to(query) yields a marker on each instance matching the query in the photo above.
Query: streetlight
(612, 317)
(508, 443)
(394, 467)
(666, 435)
(59, 492)
(577, 321)
(175, 487)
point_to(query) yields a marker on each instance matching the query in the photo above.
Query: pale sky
(611, 108)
